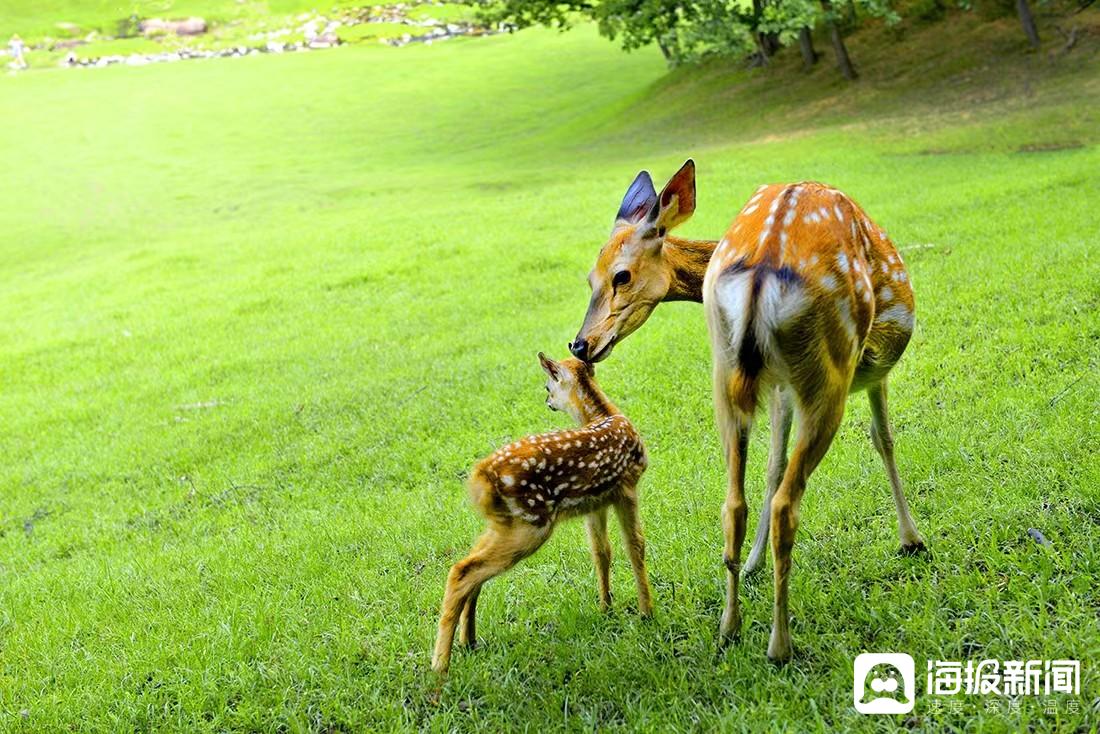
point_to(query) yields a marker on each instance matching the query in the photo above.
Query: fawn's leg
(499, 549)
(882, 437)
(596, 524)
(467, 625)
(781, 411)
(817, 424)
(734, 425)
(627, 511)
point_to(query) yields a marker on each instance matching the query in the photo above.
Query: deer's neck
(590, 402)
(687, 263)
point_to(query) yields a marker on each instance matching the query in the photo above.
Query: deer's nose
(579, 348)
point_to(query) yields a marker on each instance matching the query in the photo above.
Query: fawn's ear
(639, 200)
(677, 201)
(551, 367)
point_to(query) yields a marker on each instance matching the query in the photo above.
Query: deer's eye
(621, 278)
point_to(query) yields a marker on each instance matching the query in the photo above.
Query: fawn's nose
(579, 348)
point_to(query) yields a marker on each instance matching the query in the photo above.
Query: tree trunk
(843, 62)
(806, 45)
(664, 50)
(767, 43)
(1028, 22)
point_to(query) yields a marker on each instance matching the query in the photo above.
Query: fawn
(526, 487)
(807, 300)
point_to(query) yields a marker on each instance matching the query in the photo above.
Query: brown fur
(828, 310)
(525, 488)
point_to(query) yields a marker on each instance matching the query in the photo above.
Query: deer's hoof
(914, 549)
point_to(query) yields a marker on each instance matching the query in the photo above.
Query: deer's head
(631, 275)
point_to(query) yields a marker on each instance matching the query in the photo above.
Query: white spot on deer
(829, 282)
(886, 294)
(507, 480)
(749, 210)
(839, 213)
(824, 213)
(844, 310)
(898, 314)
(842, 261)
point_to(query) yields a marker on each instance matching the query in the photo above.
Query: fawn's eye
(621, 278)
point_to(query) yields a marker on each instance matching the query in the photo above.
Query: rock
(186, 27)
(325, 40)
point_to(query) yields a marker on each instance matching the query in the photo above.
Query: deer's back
(550, 475)
(806, 269)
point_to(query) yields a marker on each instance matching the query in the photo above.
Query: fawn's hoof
(914, 549)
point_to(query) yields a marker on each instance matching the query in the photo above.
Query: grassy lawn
(260, 316)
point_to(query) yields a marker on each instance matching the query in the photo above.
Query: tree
(806, 46)
(1028, 22)
(843, 61)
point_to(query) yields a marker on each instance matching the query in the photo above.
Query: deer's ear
(548, 365)
(639, 200)
(677, 201)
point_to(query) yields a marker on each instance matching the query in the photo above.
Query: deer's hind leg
(596, 524)
(734, 424)
(498, 549)
(781, 413)
(819, 417)
(627, 511)
(467, 622)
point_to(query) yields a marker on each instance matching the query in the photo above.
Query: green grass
(261, 315)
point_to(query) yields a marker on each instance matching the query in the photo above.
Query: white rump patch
(732, 294)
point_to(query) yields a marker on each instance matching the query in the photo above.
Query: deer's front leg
(596, 524)
(627, 511)
(882, 437)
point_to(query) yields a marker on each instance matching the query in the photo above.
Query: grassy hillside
(260, 315)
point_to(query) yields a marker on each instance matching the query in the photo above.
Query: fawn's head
(571, 388)
(631, 275)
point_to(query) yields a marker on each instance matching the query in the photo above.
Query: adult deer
(806, 300)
